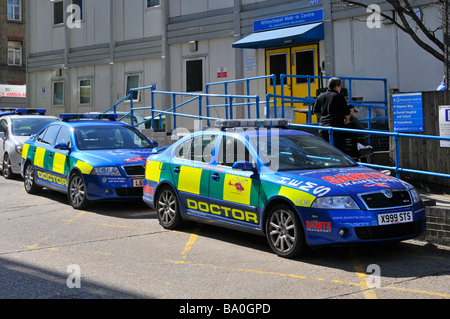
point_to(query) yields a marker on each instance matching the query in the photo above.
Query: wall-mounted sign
(407, 112)
(444, 124)
(288, 20)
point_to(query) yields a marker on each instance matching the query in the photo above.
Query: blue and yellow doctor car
(291, 186)
(89, 157)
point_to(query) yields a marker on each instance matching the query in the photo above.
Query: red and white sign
(222, 72)
(13, 90)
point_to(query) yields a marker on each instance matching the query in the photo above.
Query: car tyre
(6, 169)
(167, 209)
(76, 192)
(29, 180)
(284, 232)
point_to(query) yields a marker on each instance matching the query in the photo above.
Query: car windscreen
(29, 126)
(299, 152)
(110, 137)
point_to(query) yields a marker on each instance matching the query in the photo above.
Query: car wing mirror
(62, 147)
(2, 135)
(244, 166)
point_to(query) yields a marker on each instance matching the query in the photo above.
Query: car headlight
(335, 202)
(19, 148)
(106, 171)
(415, 195)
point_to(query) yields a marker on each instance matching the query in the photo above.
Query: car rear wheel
(6, 170)
(167, 209)
(284, 232)
(29, 181)
(77, 192)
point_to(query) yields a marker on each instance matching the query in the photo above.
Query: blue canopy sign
(407, 112)
(288, 20)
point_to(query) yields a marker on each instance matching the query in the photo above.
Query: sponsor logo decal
(322, 227)
(359, 178)
(224, 211)
(52, 178)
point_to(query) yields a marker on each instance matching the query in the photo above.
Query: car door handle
(215, 177)
(50, 154)
(176, 170)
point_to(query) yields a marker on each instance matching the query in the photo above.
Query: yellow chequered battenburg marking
(189, 180)
(153, 171)
(59, 162)
(237, 189)
(298, 197)
(39, 157)
(25, 150)
(85, 168)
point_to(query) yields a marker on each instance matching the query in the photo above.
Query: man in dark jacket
(332, 109)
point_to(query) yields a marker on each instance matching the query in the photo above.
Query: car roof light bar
(87, 116)
(223, 124)
(22, 111)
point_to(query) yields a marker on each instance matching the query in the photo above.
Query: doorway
(299, 60)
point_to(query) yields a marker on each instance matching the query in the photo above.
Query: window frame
(127, 88)
(54, 8)
(17, 50)
(53, 92)
(91, 84)
(15, 7)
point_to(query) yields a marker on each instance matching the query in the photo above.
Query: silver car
(14, 131)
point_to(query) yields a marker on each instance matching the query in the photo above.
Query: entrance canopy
(274, 38)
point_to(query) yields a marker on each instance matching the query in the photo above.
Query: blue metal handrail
(397, 168)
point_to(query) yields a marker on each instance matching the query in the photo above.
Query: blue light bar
(233, 123)
(23, 111)
(87, 116)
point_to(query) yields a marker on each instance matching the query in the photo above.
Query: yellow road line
(77, 216)
(190, 243)
(362, 284)
(368, 293)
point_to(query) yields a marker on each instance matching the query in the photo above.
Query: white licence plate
(138, 182)
(395, 218)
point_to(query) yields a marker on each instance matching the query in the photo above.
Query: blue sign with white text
(407, 112)
(288, 20)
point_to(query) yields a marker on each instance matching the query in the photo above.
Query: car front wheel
(77, 192)
(284, 232)
(7, 171)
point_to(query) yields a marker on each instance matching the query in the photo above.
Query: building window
(58, 93)
(15, 10)
(133, 82)
(14, 53)
(153, 3)
(85, 91)
(58, 12)
(79, 3)
(194, 75)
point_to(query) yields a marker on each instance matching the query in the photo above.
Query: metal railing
(253, 100)
(396, 136)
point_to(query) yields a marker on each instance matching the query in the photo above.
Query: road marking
(77, 216)
(263, 272)
(190, 243)
(368, 292)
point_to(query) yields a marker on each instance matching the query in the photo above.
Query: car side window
(49, 134)
(4, 127)
(233, 150)
(63, 135)
(197, 149)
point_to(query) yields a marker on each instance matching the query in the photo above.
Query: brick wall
(438, 224)
(13, 31)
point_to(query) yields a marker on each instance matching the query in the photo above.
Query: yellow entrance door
(300, 61)
(278, 62)
(304, 62)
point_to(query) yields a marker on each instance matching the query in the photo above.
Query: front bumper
(353, 227)
(112, 187)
